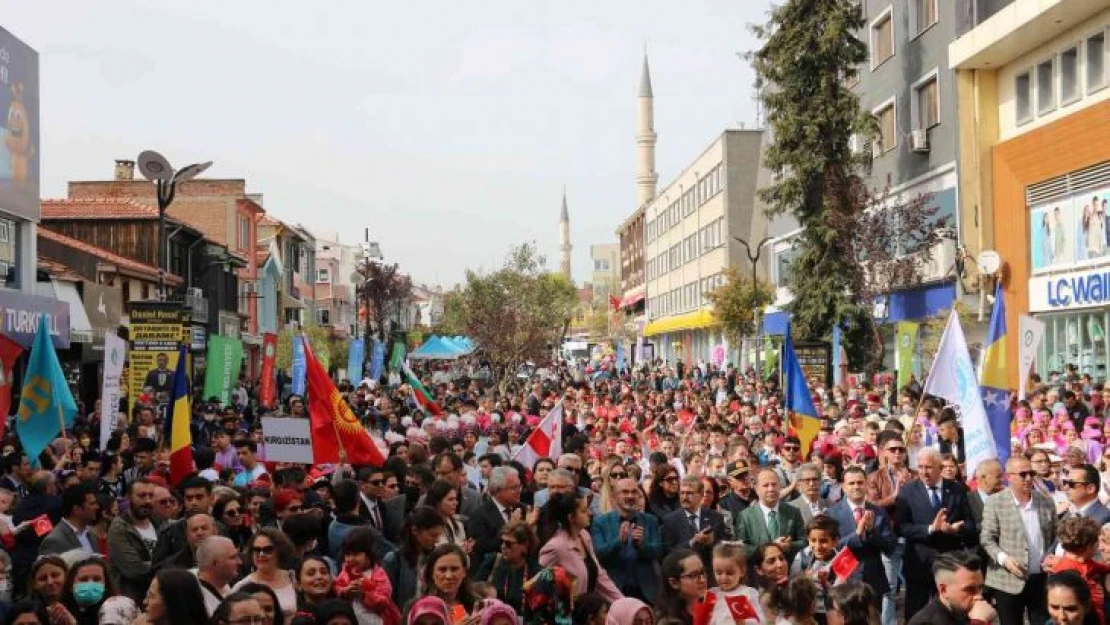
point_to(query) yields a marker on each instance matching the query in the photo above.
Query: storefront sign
(287, 440)
(1075, 289)
(816, 361)
(104, 307)
(157, 328)
(19, 317)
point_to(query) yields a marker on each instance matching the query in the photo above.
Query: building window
(882, 38)
(601, 264)
(1023, 98)
(9, 236)
(888, 128)
(244, 232)
(1069, 76)
(1046, 87)
(323, 316)
(1096, 62)
(924, 14)
(322, 275)
(927, 103)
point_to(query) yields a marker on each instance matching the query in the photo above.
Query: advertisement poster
(19, 126)
(1069, 231)
(225, 359)
(156, 331)
(115, 352)
(816, 361)
(299, 365)
(906, 347)
(266, 391)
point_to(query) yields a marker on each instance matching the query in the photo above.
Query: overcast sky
(448, 128)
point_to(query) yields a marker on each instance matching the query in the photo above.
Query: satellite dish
(192, 171)
(153, 166)
(989, 262)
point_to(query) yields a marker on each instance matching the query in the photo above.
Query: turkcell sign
(1078, 289)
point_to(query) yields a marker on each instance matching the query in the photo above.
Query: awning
(633, 297)
(689, 321)
(80, 329)
(288, 301)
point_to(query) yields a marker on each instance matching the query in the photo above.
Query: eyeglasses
(896, 450)
(617, 475)
(1072, 483)
(1025, 475)
(698, 574)
(808, 480)
(268, 550)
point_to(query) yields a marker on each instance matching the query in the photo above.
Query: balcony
(195, 301)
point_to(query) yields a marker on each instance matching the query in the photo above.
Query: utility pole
(754, 258)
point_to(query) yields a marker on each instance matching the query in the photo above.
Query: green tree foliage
(317, 339)
(735, 304)
(453, 321)
(517, 313)
(853, 244)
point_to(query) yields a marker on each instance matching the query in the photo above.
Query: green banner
(906, 346)
(397, 358)
(225, 357)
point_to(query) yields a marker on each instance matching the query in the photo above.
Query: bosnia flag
(180, 415)
(993, 383)
(804, 418)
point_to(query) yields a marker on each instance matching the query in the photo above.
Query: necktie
(693, 521)
(857, 514)
(773, 524)
(935, 497)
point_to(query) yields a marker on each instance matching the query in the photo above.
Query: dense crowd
(682, 495)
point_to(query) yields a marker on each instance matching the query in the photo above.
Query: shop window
(1023, 98)
(1096, 62)
(9, 237)
(1069, 76)
(882, 38)
(1046, 87)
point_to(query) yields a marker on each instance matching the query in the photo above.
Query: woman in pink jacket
(564, 532)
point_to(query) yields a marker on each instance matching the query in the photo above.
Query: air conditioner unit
(195, 292)
(919, 140)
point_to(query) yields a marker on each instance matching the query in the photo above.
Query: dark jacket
(935, 613)
(870, 548)
(914, 513)
(678, 532)
(638, 571)
(402, 575)
(130, 562)
(484, 526)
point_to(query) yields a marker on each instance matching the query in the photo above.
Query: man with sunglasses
(1019, 526)
(740, 494)
(628, 542)
(1082, 487)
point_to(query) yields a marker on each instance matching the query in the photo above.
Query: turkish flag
(334, 426)
(844, 563)
(546, 441)
(741, 609)
(9, 352)
(42, 525)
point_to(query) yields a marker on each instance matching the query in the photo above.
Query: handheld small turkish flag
(546, 441)
(42, 525)
(844, 563)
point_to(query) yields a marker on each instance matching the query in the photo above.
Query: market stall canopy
(462, 343)
(436, 348)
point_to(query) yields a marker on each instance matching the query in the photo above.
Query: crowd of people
(682, 495)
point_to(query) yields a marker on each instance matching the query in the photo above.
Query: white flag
(114, 350)
(546, 441)
(1030, 333)
(953, 378)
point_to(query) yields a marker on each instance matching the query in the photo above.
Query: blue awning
(919, 303)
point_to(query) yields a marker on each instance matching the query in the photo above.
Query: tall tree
(810, 54)
(517, 313)
(388, 292)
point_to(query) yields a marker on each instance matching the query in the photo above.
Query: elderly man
(628, 543)
(988, 481)
(502, 505)
(809, 502)
(198, 526)
(1019, 525)
(933, 516)
(569, 473)
(693, 526)
(770, 520)
(218, 563)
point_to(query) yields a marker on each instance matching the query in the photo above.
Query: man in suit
(933, 515)
(959, 593)
(692, 526)
(988, 481)
(79, 511)
(1083, 486)
(503, 504)
(628, 544)
(1019, 526)
(375, 507)
(160, 377)
(770, 520)
(809, 501)
(865, 529)
(449, 468)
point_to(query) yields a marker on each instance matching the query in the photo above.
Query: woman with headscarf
(629, 611)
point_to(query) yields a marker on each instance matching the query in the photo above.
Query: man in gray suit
(1083, 484)
(809, 502)
(79, 511)
(1019, 526)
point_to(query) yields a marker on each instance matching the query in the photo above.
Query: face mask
(88, 593)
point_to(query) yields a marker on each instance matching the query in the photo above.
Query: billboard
(1070, 231)
(156, 331)
(19, 127)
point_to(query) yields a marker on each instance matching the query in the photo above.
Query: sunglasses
(268, 550)
(671, 478)
(896, 450)
(617, 475)
(791, 448)
(1025, 475)
(509, 543)
(1071, 483)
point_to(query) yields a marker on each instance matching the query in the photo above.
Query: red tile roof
(106, 256)
(105, 208)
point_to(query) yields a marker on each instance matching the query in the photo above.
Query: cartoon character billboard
(19, 127)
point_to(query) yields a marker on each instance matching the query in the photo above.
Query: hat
(736, 468)
(430, 606)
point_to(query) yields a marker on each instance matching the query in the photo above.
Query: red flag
(546, 441)
(42, 525)
(686, 417)
(614, 302)
(269, 355)
(844, 563)
(741, 609)
(9, 352)
(334, 426)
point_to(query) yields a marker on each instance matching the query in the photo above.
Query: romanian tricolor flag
(993, 383)
(180, 414)
(803, 416)
(423, 397)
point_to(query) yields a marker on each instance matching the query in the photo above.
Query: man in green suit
(769, 520)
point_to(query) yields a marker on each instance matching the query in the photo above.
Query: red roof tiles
(106, 256)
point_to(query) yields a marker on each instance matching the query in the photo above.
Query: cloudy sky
(448, 128)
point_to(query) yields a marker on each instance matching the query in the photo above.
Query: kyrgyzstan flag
(334, 426)
(9, 352)
(546, 441)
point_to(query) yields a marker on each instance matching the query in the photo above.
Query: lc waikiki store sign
(1076, 289)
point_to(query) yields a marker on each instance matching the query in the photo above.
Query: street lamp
(155, 168)
(754, 258)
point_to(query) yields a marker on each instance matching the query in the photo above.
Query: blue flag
(804, 418)
(45, 402)
(355, 351)
(377, 360)
(993, 382)
(299, 366)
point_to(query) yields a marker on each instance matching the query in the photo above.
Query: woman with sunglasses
(228, 510)
(684, 586)
(268, 550)
(663, 495)
(508, 569)
(611, 472)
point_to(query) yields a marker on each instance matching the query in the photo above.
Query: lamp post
(158, 170)
(754, 258)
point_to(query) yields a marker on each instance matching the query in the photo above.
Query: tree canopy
(735, 304)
